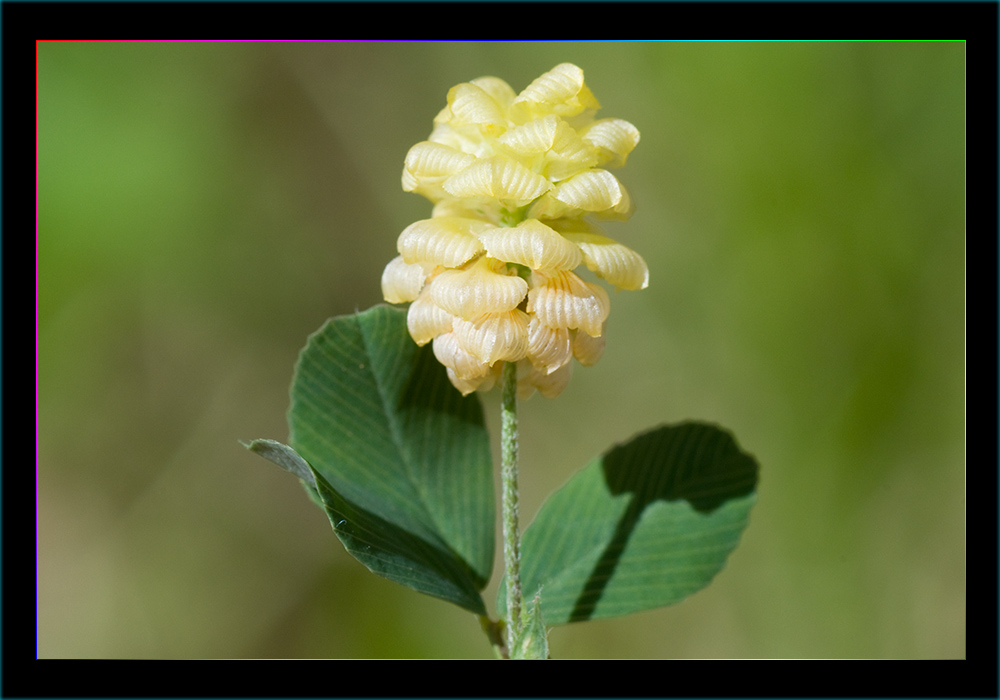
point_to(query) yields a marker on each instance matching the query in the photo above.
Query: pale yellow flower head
(514, 179)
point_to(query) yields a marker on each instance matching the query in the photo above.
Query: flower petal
(498, 178)
(446, 240)
(592, 191)
(402, 282)
(450, 354)
(483, 383)
(532, 244)
(612, 261)
(548, 348)
(428, 164)
(426, 320)
(533, 137)
(560, 91)
(469, 103)
(480, 289)
(501, 92)
(428, 159)
(552, 145)
(493, 337)
(549, 385)
(563, 300)
(588, 349)
(614, 138)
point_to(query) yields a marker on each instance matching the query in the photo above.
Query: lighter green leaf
(643, 526)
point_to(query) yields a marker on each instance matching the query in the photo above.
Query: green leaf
(401, 459)
(643, 526)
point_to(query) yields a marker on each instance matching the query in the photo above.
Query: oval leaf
(402, 460)
(643, 526)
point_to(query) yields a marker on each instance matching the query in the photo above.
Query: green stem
(508, 478)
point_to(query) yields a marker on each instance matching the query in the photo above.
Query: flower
(490, 276)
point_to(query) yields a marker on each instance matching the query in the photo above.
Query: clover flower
(490, 276)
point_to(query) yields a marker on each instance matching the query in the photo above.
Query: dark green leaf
(401, 459)
(643, 526)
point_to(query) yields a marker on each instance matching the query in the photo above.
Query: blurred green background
(203, 207)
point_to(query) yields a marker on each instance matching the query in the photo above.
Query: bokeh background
(203, 207)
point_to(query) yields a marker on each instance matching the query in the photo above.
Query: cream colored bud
(450, 354)
(548, 348)
(428, 160)
(614, 139)
(549, 385)
(448, 240)
(466, 386)
(498, 178)
(587, 349)
(501, 92)
(612, 261)
(402, 282)
(591, 191)
(494, 337)
(560, 91)
(532, 244)
(471, 104)
(483, 383)
(426, 320)
(563, 300)
(483, 287)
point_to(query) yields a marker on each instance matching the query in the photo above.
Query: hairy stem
(508, 477)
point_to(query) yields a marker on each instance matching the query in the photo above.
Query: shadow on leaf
(693, 462)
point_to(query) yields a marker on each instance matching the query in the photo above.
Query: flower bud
(490, 276)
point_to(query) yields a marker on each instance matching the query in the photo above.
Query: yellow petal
(434, 160)
(483, 383)
(502, 93)
(471, 104)
(553, 146)
(592, 191)
(467, 139)
(560, 91)
(548, 348)
(569, 156)
(532, 244)
(612, 261)
(426, 320)
(549, 385)
(447, 240)
(499, 178)
(450, 354)
(493, 337)
(536, 136)
(563, 300)
(427, 165)
(614, 138)
(482, 288)
(402, 282)
(587, 349)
